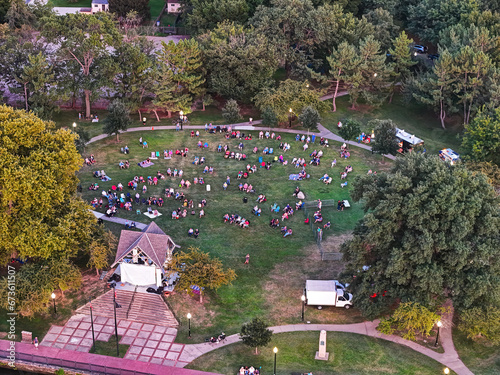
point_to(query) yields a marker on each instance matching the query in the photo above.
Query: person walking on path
(247, 259)
(35, 342)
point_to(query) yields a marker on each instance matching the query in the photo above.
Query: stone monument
(322, 354)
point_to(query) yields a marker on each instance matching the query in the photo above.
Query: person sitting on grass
(202, 213)
(190, 232)
(328, 225)
(288, 233)
(196, 233)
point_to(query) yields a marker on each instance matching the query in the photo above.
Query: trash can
(245, 200)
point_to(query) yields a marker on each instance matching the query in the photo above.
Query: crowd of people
(236, 219)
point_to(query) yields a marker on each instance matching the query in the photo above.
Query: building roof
(152, 241)
(410, 138)
(173, 2)
(99, 1)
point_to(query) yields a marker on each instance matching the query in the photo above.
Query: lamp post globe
(446, 370)
(74, 125)
(439, 325)
(189, 324)
(303, 299)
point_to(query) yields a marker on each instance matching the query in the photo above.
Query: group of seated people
(198, 180)
(287, 212)
(261, 198)
(193, 133)
(269, 135)
(284, 146)
(298, 162)
(344, 152)
(90, 160)
(326, 179)
(248, 371)
(208, 169)
(124, 164)
(129, 224)
(274, 223)
(193, 233)
(365, 138)
(235, 155)
(236, 219)
(247, 188)
(184, 184)
(318, 217)
(286, 231)
(340, 205)
(217, 129)
(202, 145)
(183, 153)
(101, 175)
(175, 172)
(152, 180)
(96, 202)
(177, 214)
(242, 174)
(216, 339)
(268, 151)
(167, 154)
(238, 134)
(303, 138)
(198, 160)
(94, 186)
(324, 142)
(256, 210)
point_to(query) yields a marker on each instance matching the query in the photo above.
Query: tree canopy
(198, 268)
(118, 119)
(481, 139)
(40, 215)
(430, 230)
(255, 333)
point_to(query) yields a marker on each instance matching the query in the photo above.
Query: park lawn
(479, 358)
(348, 354)
(155, 7)
(245, 298)
(108, 348)
(412, 117)
(168, 19)
(71, 3)
(66, 117)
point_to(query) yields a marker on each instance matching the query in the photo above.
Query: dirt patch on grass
(287, 281)
(332, 243)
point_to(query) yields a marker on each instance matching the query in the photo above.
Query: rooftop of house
(100, 2)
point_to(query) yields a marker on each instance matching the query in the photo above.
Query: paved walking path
(449, 358)
(118, 220)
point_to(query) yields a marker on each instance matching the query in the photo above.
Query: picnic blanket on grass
(145, 164)
(293, 177)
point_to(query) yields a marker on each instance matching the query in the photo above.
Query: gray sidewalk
(449, 358)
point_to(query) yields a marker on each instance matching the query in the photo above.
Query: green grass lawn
(168, 19)
(109, 347)
(247, 297)
(155, 7)
(66, 117)
(480, 359)
(348, 354)
(71, 3)
(413, 118)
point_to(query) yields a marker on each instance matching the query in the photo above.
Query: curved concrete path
(449, 358)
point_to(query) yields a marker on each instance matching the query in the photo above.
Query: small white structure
(143, 256)
(322, 354)
(100, 6)
(173, 6)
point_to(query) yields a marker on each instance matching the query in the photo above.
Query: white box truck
(326, 293)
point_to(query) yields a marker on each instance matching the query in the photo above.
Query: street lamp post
(290, 111)
(92, 323)
(115, 305)
(181, 113)
(53, 295)
(189, 325)
(439, 324)
(74, 126)
(275, 350)
(303, 298)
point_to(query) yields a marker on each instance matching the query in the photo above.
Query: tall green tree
(239, 62)
(290, 94)
(384, 27)
(385, 137)
(39, 86)
(481, 140)
(430, 230)
(84, 40)
(231, 111)
(118, 119)
(40, 215)
(436, 88)
(255, 334)
(427, 18)
(207, 14)
(402, 61)
(350, 129)
(269, 117)
(198, 268)
(310, 118)
(180, 76)
(135, 73)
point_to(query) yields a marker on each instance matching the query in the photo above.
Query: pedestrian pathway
(118, 220)
(449, 358)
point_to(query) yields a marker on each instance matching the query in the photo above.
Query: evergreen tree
(481, 140)
(118, 119)
(350, 129)
(309, 118)
(385, 137)
(402, 61)
(269, 117)
(231, 111)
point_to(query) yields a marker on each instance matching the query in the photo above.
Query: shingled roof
(152, 241)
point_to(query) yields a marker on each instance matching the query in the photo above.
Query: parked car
(433, 56)
(419, 48)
